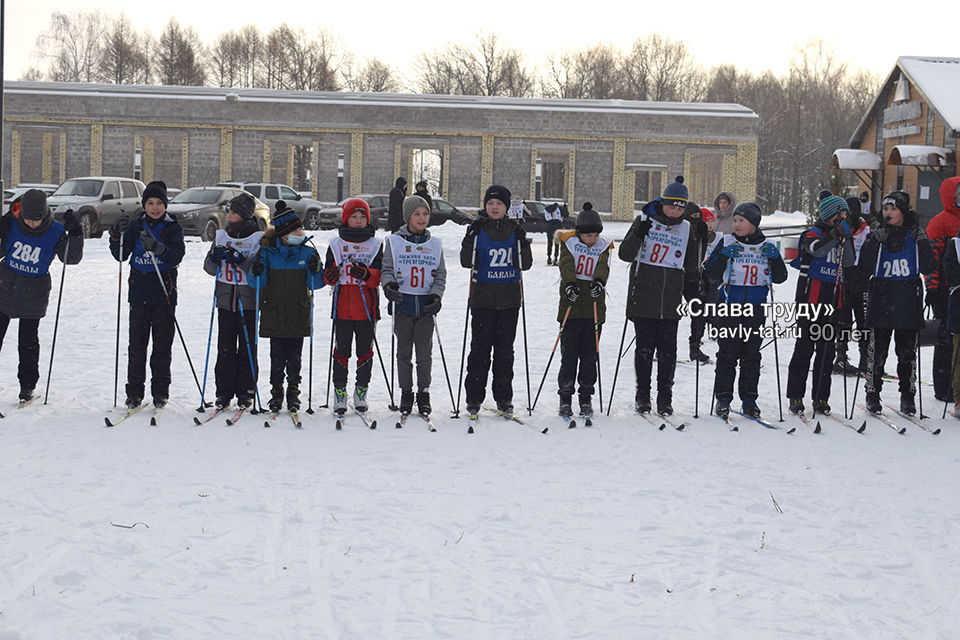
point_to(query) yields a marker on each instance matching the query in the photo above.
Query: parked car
(97, 200)
(441, 211)
(307, 209)
(11, 197)
(330, 217)
(534, 220)
(201, 211)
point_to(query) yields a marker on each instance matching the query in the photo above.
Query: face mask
(293, 240)
(236, 226)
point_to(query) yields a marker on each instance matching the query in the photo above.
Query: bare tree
(595, 72)
(180, 56)
(487, 70)
(124, 58)
(250, 50)
(374, 76)
(72, 45)
(225, 60)
(312, 63)
(661, 69)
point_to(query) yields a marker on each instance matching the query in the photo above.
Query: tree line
(805, 113)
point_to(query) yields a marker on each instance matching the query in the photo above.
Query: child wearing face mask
(230, 257)
(286, 271)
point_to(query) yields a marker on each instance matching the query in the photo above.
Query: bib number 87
(659, 252)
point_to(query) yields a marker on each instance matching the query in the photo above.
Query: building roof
(935, 79)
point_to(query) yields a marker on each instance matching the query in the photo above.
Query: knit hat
(354, 205)
(897, 199)
(750, 212)
(676, 193)
(706, 214)
(285, 219)
(33, 205)
(156, 189)
(588, 220)
(497, 191)
(823, 194)
(830, 206)
(855, 207)
(243, 205)
(410, 203)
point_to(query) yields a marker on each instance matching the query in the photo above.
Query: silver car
(97, 200)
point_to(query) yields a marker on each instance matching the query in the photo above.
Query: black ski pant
(905, 346)
(658, 336)
(553, 248)
(492, 330)
(150, 321)
(28, 344)
(578, 349)
(413, 332)
(346, 333)
(943, 364)
(233, 371)
(745, 352)
(856, 311)
(814, 338)
(286, 358)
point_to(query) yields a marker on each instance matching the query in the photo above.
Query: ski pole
(373, 329)
(956, 352)
(56, 322)
(776, 354)
(552, 352)
(523, 313)
(206, 361)
(436, 330)
(616, 370)
(596, 342)
(253, 366)
(310, 365)
(919, 385)
(333, 326)
(116, 353)
(696, 388)
(466, 322)
(391, 309)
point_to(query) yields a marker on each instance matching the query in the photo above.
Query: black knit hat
(285, 219)
(897, 199)
(676, 193)
(497, 191)
(750, 212)
(33, 205)
(243, 205)
(856, 210)
(588, 220)
(156, 189)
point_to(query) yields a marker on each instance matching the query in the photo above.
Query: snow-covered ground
(616, 531)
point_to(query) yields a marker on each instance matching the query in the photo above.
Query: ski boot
(586, 407)
(26, 394)
(907, 405)
(159, 402)
(642, 404)
(276, 399)
(722, 408)
(293, 398)
(339, 400)
(221, 403)
(505, 408)
(821, 406)
(873, 404)
(956, 410)
(566, 405)
(473, 410)
(423, 403)
(696, 355)
(749, 408)
(406, 401)
(360, 398)
(244, 402)
(796, 406)
(132, 402)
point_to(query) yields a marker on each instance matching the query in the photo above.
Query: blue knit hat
(831, 206)
(285, 220)
(676, 193)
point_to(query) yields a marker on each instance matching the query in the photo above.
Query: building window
(930, 122)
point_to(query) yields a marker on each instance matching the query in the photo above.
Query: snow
(856, 159)
(937, 78)
(919, 155)
(616, 531)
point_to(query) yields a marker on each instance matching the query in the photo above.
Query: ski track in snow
(615, 531)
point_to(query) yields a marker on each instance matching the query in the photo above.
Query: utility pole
(3, 12)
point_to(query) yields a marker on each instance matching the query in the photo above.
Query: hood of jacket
(417, 238)
(716, 205)
(949, 195)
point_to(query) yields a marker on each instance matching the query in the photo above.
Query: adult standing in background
(395, 208)
(723, 206)
(941, 230)
(421, 190)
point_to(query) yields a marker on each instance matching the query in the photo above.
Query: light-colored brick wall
(226, 154)
(356, 162)
(14, 158)
(96, 149)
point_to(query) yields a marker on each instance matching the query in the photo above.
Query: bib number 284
(25, 253)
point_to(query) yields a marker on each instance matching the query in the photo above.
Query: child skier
(663, 250)
(826, 249)
(856, 296)
(154, 245)
(553, 217)
(414, 277)
(748, 266)
(496, 249)
(28, 244)
(230, 257)
(894, 256)
(354, 260)
(584, 268)
(286, 272)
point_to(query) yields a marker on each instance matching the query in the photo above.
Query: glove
(151, 244)
(474, 229)
(572, 291)
(520, 234)
(433, 306)
(119, 226)
(360, 272)
(919, 233)
(843, 229)
(256, 269)
(391, 291)
(732, 250)
(228, 255)
(72, 224)
(596, 289)
(331, 275)
(769, 251)
(313, 264)
(641, 227)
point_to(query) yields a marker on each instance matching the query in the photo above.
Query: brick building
(909, 137)
(618, 154)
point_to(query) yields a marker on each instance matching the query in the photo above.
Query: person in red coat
(941, 230)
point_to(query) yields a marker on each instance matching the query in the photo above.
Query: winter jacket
(816, 245)
(228, 294)
(494, 295)
(25, 295)
(144, 285)
(655, 291)
(395, 205)
(724, 221)
(951, 271)
(941, 230)
(351, 297)
(854, 277)
(583, 307)
(412, 304)
(895, 300)
(286, 287)
(718, 268)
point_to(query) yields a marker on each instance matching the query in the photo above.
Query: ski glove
(256, 269)
(151, 244)
(391, 290)
(474, 229)
(572, 291)
(72, 224)
(641, 227)
(313, 264)
(433, 306)
(596, 289)
(732, 250)
(769, 251)
(843, 229)
(228, 255)
(331, 275)
(360, 272)
(119, 226)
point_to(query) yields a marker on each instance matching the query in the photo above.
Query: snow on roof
(857, 159)
(937, 79)
(920, 155)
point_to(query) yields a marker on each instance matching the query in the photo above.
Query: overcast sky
(749, 34)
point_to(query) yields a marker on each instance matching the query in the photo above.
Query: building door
(928, 194)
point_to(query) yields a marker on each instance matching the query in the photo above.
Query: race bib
(31, 256)
(515, 212)
(749, 269)
(233, 273)
(415, 265)
(585, 258)
(665, 245)
(346, 253)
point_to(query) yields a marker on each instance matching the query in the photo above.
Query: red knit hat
(352, 206)
(706, 214)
